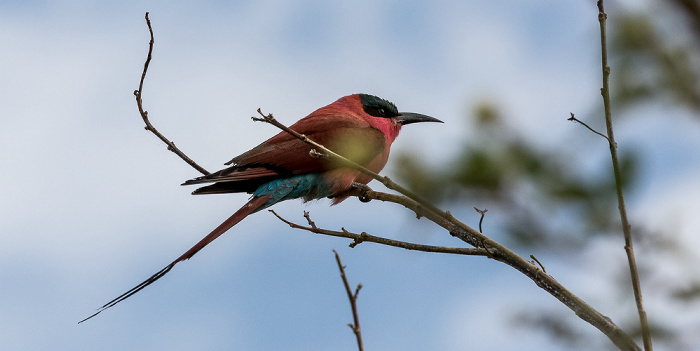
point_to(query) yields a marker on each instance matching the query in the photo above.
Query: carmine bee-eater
(360, 127)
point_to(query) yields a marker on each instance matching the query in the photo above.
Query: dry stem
(364, 237)
(353, 303)
(144, 114)
(626, 227)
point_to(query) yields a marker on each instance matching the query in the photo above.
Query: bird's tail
(243, 212)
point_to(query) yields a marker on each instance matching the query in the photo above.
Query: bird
(360, 127)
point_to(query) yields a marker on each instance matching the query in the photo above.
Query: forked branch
(364, 237)
(353, 303)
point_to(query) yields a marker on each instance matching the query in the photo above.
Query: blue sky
(92, 205)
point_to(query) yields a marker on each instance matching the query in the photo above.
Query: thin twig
(144, 114)
(538, 262)
(359, 238)
(572, 118)
(307, 216)
(353, 303)
(626, 227)
(481, 220)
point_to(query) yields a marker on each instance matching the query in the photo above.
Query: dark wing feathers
(284, 155)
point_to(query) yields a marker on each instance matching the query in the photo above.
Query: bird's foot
(363, 191)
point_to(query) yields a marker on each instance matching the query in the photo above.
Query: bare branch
(353, 303)
(532, 271)
(626, 227)
(144, 114)
(359, 238)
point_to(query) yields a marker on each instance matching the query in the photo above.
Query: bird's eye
(377, 107)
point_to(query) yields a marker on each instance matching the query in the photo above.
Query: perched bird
(360, 127)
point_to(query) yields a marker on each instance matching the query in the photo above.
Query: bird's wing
(284, 155)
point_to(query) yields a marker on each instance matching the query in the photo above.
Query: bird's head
(384, 115)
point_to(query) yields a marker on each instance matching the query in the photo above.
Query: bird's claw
(364, 189)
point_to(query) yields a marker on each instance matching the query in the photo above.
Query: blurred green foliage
(497, 164)
(548, 206)
(652, 64)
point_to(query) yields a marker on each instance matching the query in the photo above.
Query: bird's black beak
(410, 117)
